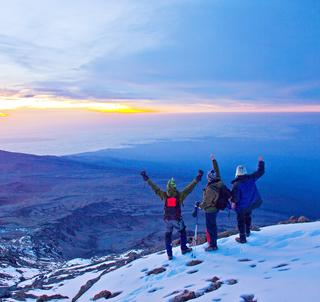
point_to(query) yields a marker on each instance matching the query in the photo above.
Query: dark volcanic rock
(45, 298)
(103, 294)
(156, 271)
(194, 262)
(186, 295)
(231, 281)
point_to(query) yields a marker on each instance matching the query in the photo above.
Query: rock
(255, 228)
(248, 298)
(103, 294)
(227, 233)
(231, 281)
(84, 288)
(213, 286)
(4, 293)
(192, 271)
(293, 219)
(303, 219)
(186, 295)
(45, 298)
(132, 256)
(194, 262)
(244, 260)
(156, 271)
(214, 279)
(22, 296)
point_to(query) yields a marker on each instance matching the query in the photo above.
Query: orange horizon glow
(51, 102)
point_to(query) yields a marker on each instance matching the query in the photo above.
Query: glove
(199, 176)
(144, 175)
(195, 210)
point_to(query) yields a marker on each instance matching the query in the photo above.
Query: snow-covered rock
(279, 263)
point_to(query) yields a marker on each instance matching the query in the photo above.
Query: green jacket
(182, 195)
(211, 192)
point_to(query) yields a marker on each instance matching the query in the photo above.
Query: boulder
(45, 298)
(303, 219)
(194, 262)
(156, 271)
(103, 294)
(186, 295)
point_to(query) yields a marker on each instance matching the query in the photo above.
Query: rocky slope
(264, 269)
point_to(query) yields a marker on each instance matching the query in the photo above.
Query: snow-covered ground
(279, 263)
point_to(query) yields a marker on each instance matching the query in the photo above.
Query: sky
(79, 58)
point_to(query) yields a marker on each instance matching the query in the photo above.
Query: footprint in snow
(152, 290)
(244, 260)
(192, 271)
(252, 265)
(315, 233)
(283, 269)
(280, 265)
(290, 236)
(190, 285)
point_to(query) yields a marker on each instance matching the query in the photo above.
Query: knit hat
(171, 187)
(211, 176)
(171, 184)
(241, 170)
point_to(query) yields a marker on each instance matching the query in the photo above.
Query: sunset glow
(45, 102)
(50, 102)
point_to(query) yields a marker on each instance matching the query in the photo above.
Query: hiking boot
(170, 257)
(241, 240)
(186, 250)
(211, 248)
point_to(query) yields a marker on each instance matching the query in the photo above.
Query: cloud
(162, 52)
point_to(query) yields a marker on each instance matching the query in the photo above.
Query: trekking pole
(195, 237)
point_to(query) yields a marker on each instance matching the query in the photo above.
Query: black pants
(244, 222)
(211, 224)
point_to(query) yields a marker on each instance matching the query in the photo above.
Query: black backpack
(223, 199)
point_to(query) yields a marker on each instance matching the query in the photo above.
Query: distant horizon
(72, 135)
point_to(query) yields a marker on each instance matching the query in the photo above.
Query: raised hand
(144, 175)
(260, 158)
(212, 157)
(199, 176)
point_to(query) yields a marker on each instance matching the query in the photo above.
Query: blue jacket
(244, 189)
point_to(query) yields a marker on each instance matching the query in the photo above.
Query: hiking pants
(244, 222)
(181, 228)
(211, 224)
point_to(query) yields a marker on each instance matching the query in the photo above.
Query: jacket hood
(240, 178)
